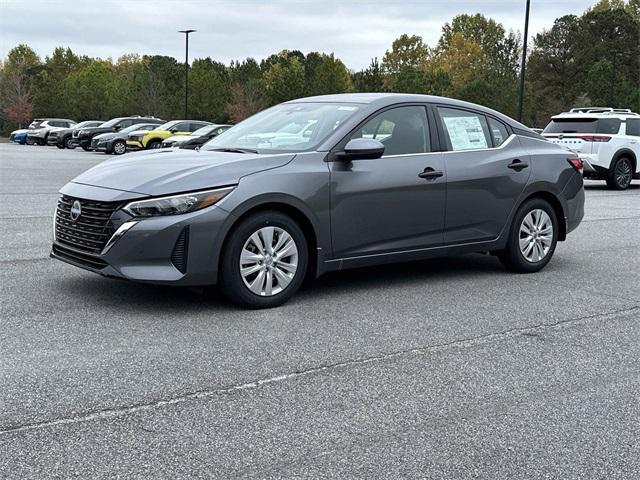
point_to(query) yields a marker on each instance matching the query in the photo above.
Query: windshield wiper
(234, 150)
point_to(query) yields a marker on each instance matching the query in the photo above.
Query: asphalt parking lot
(449, 368)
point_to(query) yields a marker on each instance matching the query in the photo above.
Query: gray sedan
(321, 184)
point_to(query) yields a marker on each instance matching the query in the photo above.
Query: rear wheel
(532, 237)
(59, 145)
(264, 261)
(119, 147)
(620, 174)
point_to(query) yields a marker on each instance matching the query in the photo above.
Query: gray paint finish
(359, 212)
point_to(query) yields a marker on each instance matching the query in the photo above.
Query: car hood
(18, 132)
(94, 130)
(179, 138)
(167, 171)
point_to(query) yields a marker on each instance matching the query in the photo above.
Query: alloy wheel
(268, 261)
(119, 148)
(536, 235)
(623, 173)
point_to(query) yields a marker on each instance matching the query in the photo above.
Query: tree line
(592, 59)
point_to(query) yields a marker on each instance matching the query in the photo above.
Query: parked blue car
(19, 136)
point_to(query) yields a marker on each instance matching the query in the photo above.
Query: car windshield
(168, 125)
(204, 130)
(138, 126)
(112, 122)
(289, 127)
(583, 125)
(86, 123)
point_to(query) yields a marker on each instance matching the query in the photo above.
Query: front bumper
(81, 141)
(146, 252)
(134, 145)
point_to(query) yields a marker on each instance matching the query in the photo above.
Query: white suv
(606, 139)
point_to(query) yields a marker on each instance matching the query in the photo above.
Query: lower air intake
(179, 254)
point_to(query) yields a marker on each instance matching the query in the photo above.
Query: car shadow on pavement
(133, 296)
(603, 186)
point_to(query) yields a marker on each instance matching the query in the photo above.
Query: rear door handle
(431, 174)
(517, 165)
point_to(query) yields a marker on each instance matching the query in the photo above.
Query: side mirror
(362, 148)
(117, 127)
(173, 130)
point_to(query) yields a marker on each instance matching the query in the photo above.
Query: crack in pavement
(205, 394)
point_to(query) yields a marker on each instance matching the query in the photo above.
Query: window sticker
(465, 133)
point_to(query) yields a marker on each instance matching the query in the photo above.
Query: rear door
(487, 170)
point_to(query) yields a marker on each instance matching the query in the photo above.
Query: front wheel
(119, 147)
(620, 174)
(264, 260)
(532, 237)
(153, 144)
(68, 143)
(86, 148)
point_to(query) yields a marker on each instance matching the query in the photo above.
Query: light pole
(524, 61)
(186, 69)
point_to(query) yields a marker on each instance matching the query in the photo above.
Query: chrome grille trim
(91, 231)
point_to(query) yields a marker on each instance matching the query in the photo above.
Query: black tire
(28, 141)
(153, 144)
(512, 257)
(231, 281)
(68, 143)
(85, 148)
(620, 174)
(119, 147)
(59, 145)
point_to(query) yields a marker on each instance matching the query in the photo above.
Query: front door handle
(517, 165)
(431, 174)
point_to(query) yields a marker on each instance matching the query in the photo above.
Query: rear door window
(464, 130)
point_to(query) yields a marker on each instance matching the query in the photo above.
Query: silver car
(321, 184)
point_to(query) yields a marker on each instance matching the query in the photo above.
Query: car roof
(381, 100)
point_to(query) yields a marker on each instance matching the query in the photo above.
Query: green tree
(284, 80)
(209, 90)
(370, 79)
(328, 75)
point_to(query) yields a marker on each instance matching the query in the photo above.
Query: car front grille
(90, 231)
(78, 258)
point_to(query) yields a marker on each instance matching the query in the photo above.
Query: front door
(389, 204)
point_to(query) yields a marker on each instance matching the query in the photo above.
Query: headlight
(176, 204)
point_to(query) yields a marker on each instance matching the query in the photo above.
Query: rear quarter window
(633, 127)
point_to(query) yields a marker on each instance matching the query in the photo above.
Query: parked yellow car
(153, 138)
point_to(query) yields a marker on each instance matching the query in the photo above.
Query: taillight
(576, 163)
(594, 138)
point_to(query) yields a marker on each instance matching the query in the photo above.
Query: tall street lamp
(524, 61)
(186, 69)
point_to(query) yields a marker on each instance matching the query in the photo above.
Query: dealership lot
(445, 368)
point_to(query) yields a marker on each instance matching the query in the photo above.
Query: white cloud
(355, 30)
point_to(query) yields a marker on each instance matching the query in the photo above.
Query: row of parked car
(118, 135)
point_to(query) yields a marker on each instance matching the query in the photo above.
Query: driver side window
(402, 131)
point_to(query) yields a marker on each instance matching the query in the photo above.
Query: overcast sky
(355, 30)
